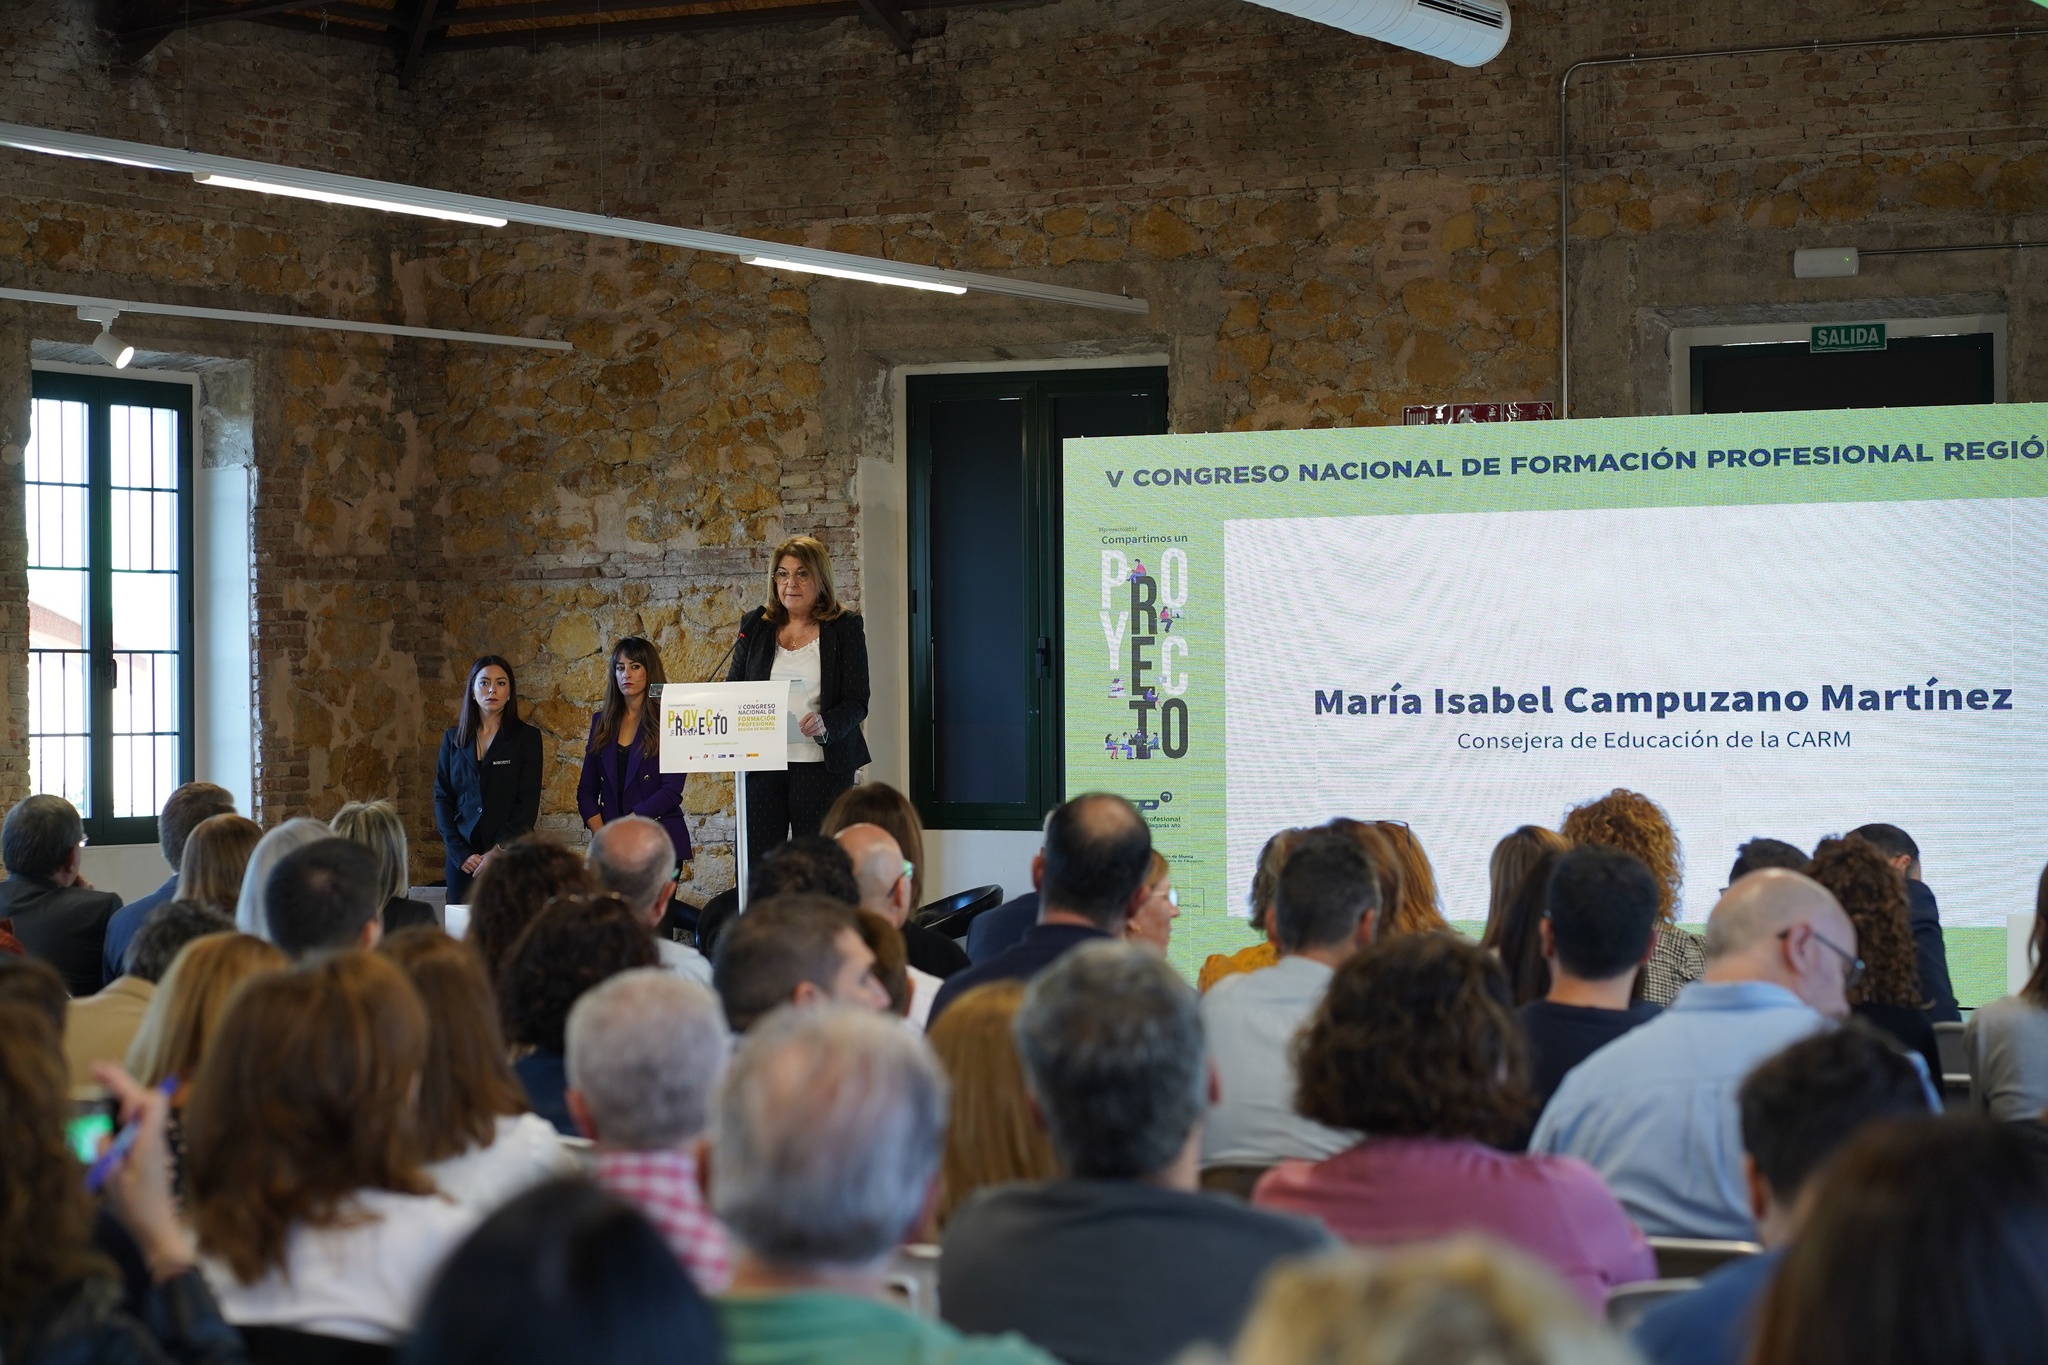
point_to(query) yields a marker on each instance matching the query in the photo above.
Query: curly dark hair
(1633, 823)
(519, 879)
(1417, 1037)
(572, 945)
(1873, 895)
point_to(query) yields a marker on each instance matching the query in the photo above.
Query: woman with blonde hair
(992, 1138)
(1635, 824)
(804, 636)
(312, 1211)
(1265, 882)
(216, 858)
(178, 1026)
(1408, 898)
(1464, 1301)
(376, 826)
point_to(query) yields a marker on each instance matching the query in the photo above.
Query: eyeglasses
(1856, 966)
(909, 873)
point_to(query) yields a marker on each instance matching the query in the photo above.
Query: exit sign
(1847, 336)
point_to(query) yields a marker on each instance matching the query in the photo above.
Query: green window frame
(108, 509)
(1024, 650)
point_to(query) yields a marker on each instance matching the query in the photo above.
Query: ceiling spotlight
(109, 347)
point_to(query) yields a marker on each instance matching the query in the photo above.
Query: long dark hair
(1519, 942)
(469, 717)
(2035, 992)
(643, 653)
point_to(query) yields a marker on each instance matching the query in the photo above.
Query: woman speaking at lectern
(805, 637)
(622, 761)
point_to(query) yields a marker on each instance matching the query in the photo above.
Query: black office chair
(287, 1346)
(950, 915)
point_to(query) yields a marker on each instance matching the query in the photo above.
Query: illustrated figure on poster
(1116, 688)
(1166, 620)
(1137, 569)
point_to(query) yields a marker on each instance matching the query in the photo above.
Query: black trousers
(789, 805)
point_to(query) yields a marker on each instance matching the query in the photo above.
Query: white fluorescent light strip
(396, 198)
(870, 276)
(234, 182)
(179, 310)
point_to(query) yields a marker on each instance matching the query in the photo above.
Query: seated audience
(27, 981)
(1923, 914)
(997, 931)
(312, 1211)
(1152, 922)
(796, 949)
(1926, 1244)
(564, 1272)
(824, 1146)
(183, 812)
(480, 1143)
(376, 826)
(56, 913)
(1466, 1301)
(60, 1301)
(1265, 952)
(1635, 824)
(178, 1026)
(99, 1028)
(1322, 912)
(1887, 991)
(1408, 897)
(2008, 1038)
(251, 914)
(1091, 877)
(1122, 1261)
(992, 1136)
(513, 887)
(892, 964)
(1519, 944)
(881, 805)
(1601, 922)
(1514, 858)
(810, 865)
(1416, 1046)
(886, 878)
(1758, 854)
(216, 859)
(324, 897)
(574, 944)
(646, 1053)
(1797, 1109)
(1654, 1111)
(633, 858)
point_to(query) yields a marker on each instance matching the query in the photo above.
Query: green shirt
(819, 1328)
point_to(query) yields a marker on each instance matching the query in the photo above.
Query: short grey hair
(252, 912)
(826, 1137)
(1111, 1042)
(636, 879)
(646, 1050)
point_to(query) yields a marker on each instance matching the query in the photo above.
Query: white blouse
(526, 1151)
(803, 668)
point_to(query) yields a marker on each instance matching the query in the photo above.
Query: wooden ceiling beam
(821, 10)
(884, 15)
(545, 9)
(354, 33)
(416, 41)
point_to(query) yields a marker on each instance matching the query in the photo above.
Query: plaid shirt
(663, 1185)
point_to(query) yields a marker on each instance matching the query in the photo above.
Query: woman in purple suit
(622, 762)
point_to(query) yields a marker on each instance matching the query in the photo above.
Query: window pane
(145, 736)
(56, 442)
(145, 610)
(981, 653)
(58, 722)
(56, 608)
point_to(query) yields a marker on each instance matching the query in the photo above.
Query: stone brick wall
(1327, 230)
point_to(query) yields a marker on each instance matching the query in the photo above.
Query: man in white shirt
(1324, 911)
(634, 857)
(884, 878)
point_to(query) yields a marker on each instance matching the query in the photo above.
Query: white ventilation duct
(1462, 32)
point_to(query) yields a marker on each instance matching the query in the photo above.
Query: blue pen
(96, 1174)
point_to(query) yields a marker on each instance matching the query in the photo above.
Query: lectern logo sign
(1847, 336)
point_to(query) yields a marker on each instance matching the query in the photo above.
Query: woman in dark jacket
(622, 761)
(805, 635)
(487, 782)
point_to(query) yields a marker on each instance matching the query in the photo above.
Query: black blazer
(65, 926)
(481, 805)
(842, 686)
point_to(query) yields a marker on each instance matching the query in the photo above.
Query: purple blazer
(649, 791)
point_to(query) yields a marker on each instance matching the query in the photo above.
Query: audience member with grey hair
(1111, 1042)
(99, 1028)
(57, 915)
(376, 826)
(634, 857)
(250, 916)
(824, 1154)
(646, 1050)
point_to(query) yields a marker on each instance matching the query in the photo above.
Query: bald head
(635, 857)
(1783, 927)
(1097, 851)
(878, 869)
